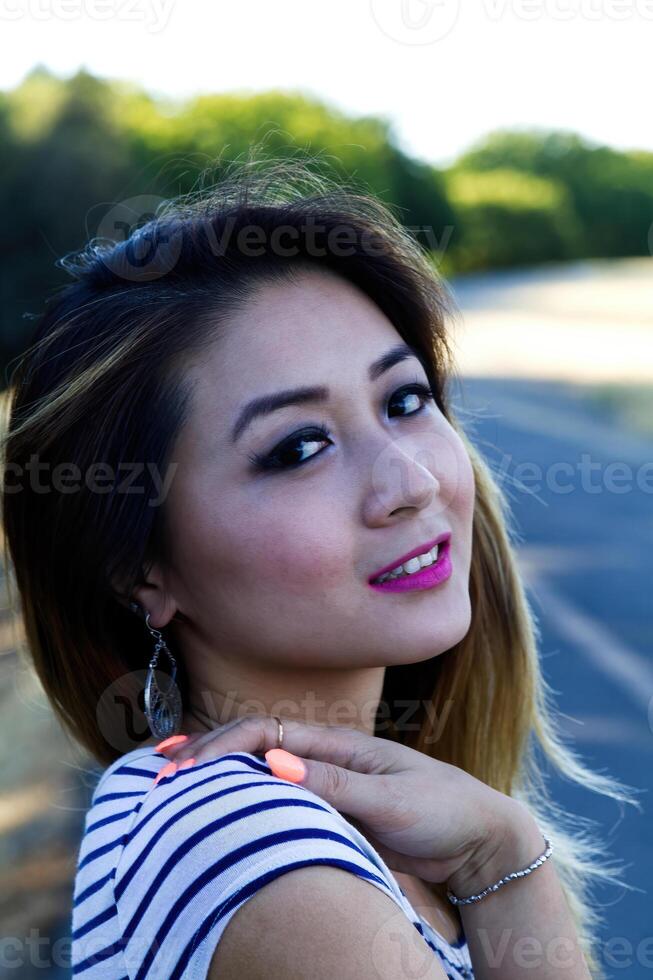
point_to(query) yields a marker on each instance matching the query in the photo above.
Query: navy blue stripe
(118, 796)
(137, 828)
(124, 770)
(102, 954)
(205, 830)
(92, 888)
(97, 920)
(463, 970)
(110, 819)
(99, 851)
(192, 772)
(125, 838)
(131, 771)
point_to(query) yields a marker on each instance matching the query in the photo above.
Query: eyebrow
(266, 404)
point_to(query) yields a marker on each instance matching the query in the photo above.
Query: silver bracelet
(514, 874)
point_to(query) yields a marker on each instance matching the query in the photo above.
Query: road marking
(622, 665)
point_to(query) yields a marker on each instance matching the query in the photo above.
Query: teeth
(411, 566)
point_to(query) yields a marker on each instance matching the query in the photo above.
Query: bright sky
(443, 71)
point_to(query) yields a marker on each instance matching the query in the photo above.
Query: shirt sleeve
(206, 839)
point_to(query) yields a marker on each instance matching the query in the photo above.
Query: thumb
(338, 786)
(286, 765)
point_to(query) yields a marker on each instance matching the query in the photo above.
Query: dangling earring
(163, 708)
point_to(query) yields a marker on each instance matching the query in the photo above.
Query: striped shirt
(162, 868)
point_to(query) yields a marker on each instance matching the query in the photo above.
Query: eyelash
(321, 433)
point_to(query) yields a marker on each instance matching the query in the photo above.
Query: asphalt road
(585, 532)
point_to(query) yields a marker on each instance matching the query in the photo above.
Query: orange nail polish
(286, 765)
(167, 770)
(169, 742)
(187, 763)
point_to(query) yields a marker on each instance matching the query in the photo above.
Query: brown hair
(102, 380)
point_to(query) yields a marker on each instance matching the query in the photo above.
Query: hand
(423, 816)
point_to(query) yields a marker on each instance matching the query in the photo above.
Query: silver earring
(163, 708)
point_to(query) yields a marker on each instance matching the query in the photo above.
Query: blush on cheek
(302, 569)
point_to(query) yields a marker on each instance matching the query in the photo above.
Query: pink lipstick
(425, 578)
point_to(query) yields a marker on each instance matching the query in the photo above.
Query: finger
(180, 747)
(348, 748)
(203, 746)
(344, 766)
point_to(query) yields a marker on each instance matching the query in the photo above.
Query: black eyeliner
(264, 462)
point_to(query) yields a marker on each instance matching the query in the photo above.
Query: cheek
(297, 557)
(457, 486)
(466, 489)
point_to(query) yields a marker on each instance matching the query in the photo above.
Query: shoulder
(206, 839)
(322, 922)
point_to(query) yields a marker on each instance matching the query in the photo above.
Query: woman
(250, 397)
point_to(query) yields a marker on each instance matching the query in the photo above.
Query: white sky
(445, 72)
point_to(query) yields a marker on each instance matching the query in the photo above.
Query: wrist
(513, 841)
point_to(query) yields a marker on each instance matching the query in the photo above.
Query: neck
(346, 698)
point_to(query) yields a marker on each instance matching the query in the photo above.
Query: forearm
(524, 930)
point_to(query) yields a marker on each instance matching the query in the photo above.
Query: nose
(402, 481)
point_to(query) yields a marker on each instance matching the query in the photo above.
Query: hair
(103, 380)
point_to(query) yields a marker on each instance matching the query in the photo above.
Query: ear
(153, 597)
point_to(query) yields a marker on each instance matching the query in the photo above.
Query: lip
(427, 546)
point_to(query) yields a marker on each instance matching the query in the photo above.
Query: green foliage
(72, 148)
(611, 192)
(508, 217)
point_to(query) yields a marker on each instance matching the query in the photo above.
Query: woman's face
(272, 564)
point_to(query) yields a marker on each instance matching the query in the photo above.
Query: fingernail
(167, 742)
(167, 770)
(187, 763)
(286, 765)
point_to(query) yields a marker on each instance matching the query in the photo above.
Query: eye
(418, 390)
(281, 458)
(289, 454)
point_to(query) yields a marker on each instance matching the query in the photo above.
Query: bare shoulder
(322, 922)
